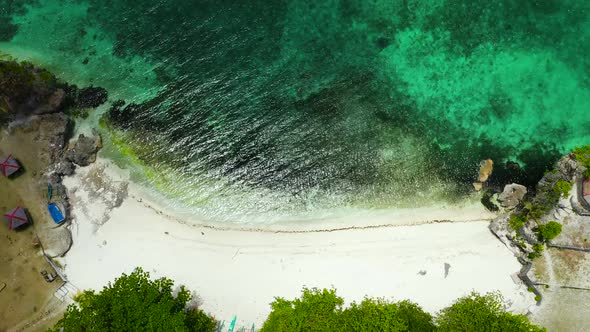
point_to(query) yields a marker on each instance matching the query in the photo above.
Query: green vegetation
(549, 231)
(563, 187)
(135, 303)
(538, 298)
(538, 248)
(583, 156)
(516, 222)
(322, 310)
(481, 313)
(533, 255)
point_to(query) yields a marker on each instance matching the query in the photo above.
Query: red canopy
(9, 165)
(16, 218)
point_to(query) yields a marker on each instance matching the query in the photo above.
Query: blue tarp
(55, 213)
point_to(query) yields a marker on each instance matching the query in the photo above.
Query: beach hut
(9, 165)
(16, 218)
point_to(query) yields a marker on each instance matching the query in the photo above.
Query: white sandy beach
(239, 272)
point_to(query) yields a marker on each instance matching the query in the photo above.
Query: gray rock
(57, 241)
(65, 167)
(84, 151)
(568, 166)
(512, 195)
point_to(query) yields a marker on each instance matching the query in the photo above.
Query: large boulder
(83, 153)
(512, 195)
(56, 241)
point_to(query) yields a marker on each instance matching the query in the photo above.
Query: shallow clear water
(286, 108)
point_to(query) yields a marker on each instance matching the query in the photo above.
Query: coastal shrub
(533, 255)
(322, 310)
(538, 248)
(549, 231)
(134, 302)
(477, 312)
(516, 222)
(316, 310)
(381, 315)
(583, 156)
(543, 203)
(563, 187)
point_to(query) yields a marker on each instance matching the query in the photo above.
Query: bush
(583, 156)
(549, 231)
(516, 222)
(563, 187)
(481, 313)
(533, 255)
(135, 303)
(538, 248)
(380, 315)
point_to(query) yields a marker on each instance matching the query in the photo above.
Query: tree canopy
(322, 310)
(484, 313)
(134, 302)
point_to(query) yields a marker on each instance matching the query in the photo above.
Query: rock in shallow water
(485, 170)
(91, 97)
(84, 151)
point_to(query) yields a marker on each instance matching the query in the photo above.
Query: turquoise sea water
(291, 107)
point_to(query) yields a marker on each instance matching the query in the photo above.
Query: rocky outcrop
(26, 90)
(568, 167)
(83, 153)
(551, 200)
(64, 168)
(512, 195)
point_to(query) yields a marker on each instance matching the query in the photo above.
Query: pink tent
(9, 165)
(16, 218)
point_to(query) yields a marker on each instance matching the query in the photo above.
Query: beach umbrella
(16, 218)
(9, 166)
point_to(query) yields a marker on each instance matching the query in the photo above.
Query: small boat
(56, 213)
